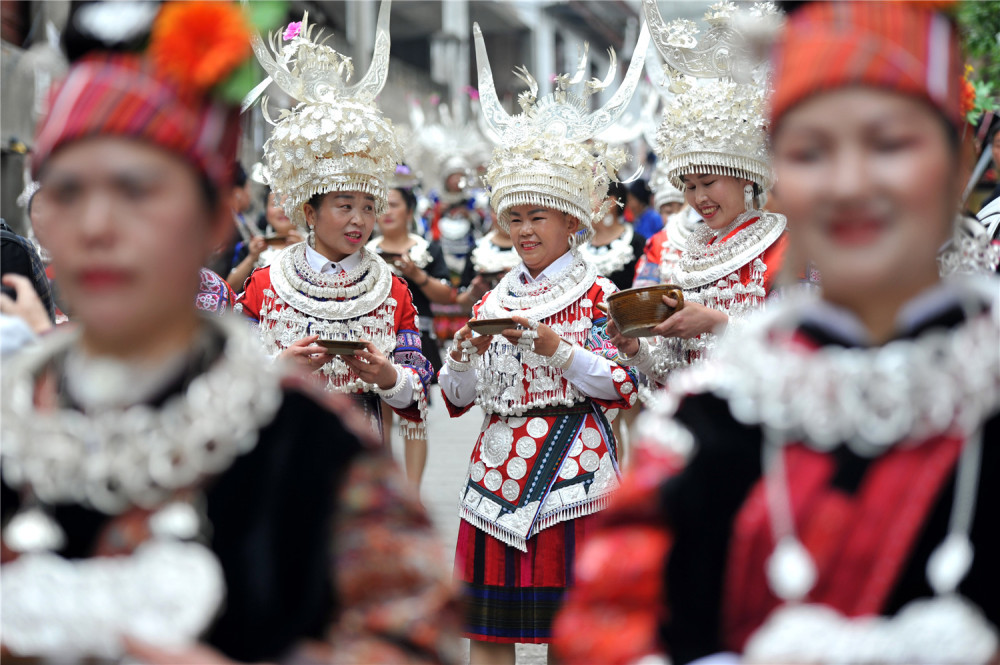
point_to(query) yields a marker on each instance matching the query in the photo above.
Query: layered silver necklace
(115, 458)
(614, 256)
(170, 588)
(332, 297)
(868, 398)
(704, 261)
(538, 300)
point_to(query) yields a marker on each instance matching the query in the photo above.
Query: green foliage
(979, 23)
(265, 15)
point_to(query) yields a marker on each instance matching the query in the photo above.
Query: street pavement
(449, 447)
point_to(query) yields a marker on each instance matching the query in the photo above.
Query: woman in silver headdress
(546, 374)
(330, 159)
(712, 142)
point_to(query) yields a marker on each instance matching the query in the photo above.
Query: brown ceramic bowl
(637, 311)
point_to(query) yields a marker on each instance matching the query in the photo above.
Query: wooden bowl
(491, 326)
(637, 311)
(342, 347)
(389, 257)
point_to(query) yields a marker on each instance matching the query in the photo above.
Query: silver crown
(547, 155)
(714, 124)
(336, 138)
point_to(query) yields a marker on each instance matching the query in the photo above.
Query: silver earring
(312, 237)
(574, 242)
(748, 202)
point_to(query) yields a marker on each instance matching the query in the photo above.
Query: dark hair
(209, 192)
(409, 198)
(640, 190)
(619, 193)
(77, 42)
(239, 175)
(316, 200)
(992, 133)
(267, 195)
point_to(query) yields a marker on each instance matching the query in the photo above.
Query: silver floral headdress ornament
(548, 154)
(663, 190)
(336, 138)
(718, 125)
(443, 147)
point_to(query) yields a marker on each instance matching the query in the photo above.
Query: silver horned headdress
(336, 138)
(548, 154)
(716, 125)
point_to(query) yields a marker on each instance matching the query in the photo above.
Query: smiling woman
(823, 515)
(727, 266)
(546, 459)
(332, 287)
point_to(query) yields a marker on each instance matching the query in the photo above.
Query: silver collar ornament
(168, 591)
(488, 257)
(548, 154)
(352, 306)
(706, 258)
(871, 400)
(336, 138)
(867, 398)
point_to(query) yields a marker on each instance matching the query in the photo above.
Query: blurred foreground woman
(162, 482)
(842, 493)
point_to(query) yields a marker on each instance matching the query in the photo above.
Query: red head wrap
(120, 95)
(902, 46)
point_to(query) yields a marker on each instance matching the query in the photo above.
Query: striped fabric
(902, 46)
(119, 95)
(510, 596)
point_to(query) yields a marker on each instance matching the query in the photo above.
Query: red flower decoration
(199, 44)
(968, 99)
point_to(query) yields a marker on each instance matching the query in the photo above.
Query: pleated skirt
(511, 596)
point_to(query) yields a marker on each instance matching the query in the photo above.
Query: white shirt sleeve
(404, 397)
(591, 373)
(458, 387)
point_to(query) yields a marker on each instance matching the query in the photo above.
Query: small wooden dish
(389, 257)
(491, 326)
(342, 347)
(637, 311)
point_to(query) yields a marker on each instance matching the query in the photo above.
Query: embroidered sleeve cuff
(401, 393)
(458, 387)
